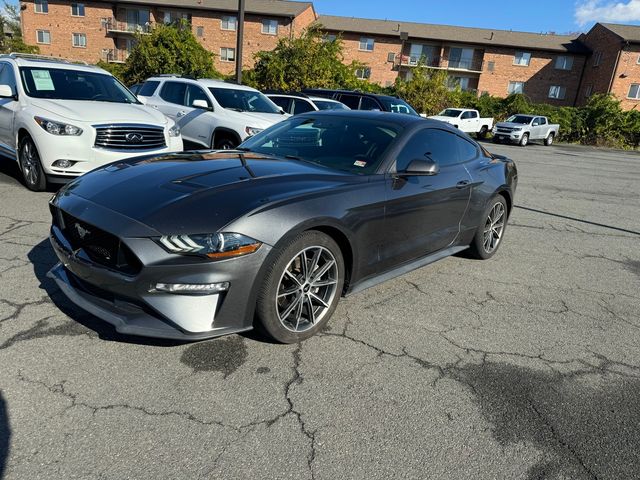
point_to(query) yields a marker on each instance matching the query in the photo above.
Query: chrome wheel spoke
(292, 277)
(324, 269)
(312, 315)
(291, 306)
(324, 283)
(313, 296)
(289, 291)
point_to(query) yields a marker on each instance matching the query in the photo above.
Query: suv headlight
(58, 128)
(251, 131)
(174, 131)
(216, 246)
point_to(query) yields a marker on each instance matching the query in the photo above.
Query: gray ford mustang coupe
(271, 235)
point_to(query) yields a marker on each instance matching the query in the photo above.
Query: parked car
(364, 101)
(467, 120)
(321, 205)
(135, 88)
(521, 129)
(211, 113)
(59, 119)
(297, 103)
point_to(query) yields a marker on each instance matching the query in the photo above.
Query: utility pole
(239, 41)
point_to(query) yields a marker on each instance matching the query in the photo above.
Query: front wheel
(549, 140)
(524, 140)
(301, 288)
(482, 134)
(489, 236)
(30, 165)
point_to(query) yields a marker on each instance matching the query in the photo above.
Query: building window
(330, 37)
(366, 44)
(79, 40)
(170, 18)
(557, 92)
(43, 36)
(454, 82)
(42, 6)
(461, 58)
(270, 27)
(515, 87)
(564, 62)
(228, 54)
(588, 90)
(638, 62)
(597, 58)
(77, 9)
(229, 23)
(491, 66)
(200, 31)
(634, 91)
(363, 73)
(522, 58)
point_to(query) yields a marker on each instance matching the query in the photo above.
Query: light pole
(239, 41)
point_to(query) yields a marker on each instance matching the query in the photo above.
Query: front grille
(99, 246)
(504, 129)
(129, 137)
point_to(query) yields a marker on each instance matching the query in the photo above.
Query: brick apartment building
(555, 69)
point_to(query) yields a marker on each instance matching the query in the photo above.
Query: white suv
(211, 113)
(60, 120)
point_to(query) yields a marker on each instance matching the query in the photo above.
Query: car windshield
(243, 100)
(397, 105)
(520, 119)
(324, 105)
(67, 84)
(450, 112)
(353, 145)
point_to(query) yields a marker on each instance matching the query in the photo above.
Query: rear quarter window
(148, 88)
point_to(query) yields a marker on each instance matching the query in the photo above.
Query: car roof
(397, 118)
(323, 99)
(51, 62)
(349, 92)
(206, 82)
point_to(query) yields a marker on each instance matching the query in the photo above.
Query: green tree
(427, 90)
(306, 61)
(168, 49)
(10, 32)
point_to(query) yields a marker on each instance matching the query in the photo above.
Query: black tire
(482, 134)
(222, 141)
(478, 244)
(273, 299)
(549, 140)
(524, 141)
(30, 165)
(495, 140)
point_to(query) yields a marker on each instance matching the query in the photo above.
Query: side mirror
(282, 112)
(200, 104)
(421, 166)
(6, 92)
(141, 99)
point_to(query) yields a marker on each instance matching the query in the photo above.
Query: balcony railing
(115, 56)
(415, 60)
(111, 25)
(474, 65)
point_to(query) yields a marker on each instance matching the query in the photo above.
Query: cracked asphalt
(525, 366)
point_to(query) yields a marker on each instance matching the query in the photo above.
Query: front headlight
(174, 131)
(58, 128)
(216, 246)
(517, 129)
(251, 131)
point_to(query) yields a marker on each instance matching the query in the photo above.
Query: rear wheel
(30, 165)
(524, 141)
(489, 236)
(482, 134)
(302, 288)
(224, 141)
(549, 140)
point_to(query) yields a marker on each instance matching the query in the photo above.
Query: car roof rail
(285, 92)
(48, 58)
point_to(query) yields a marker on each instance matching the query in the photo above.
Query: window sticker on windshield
(360, 163)
(42, 80)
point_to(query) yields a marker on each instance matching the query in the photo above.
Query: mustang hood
(100, 112)
(187, 193)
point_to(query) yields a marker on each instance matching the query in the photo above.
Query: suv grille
(99, 246)
(130, 137)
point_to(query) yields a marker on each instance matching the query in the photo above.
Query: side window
(543, 121)
(351, 101)
(369, 104)
(466, 150)
(473, 114)
(7, 77)
(301, 106)
(438, 145)
(536, 122)
(148, 88)
(194, 92)
(174, 92)
(465, 115)
(283, 102)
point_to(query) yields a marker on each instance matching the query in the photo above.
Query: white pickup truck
(466, 119)
(521, 129)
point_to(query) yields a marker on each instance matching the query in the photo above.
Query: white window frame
(268, 26)
(48, 32)
(511, 91)
(363, 73)
(366, 41)
(557, 92)
(41, 6)
(564, 62)
(597, 58)
(231, 21)
(224, 57)
(523, 55)
(78, 35)
(637, 97)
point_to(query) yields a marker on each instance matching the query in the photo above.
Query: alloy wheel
(306, 289)
(494, 227)
(29, 162)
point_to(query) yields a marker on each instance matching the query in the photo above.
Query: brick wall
(627, 73)
(382, 71)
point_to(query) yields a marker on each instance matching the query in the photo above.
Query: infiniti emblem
(82, 232)
(134, 137)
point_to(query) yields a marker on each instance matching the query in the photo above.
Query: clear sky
(559, 16)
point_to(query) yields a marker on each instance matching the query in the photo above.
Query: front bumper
(513, 137)
(132, 305)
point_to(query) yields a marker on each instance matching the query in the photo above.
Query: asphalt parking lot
(526, 366)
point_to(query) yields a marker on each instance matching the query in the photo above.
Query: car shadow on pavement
(5, 435)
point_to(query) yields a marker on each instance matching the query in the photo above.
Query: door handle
(462, 183)
(181, 113)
